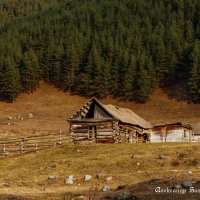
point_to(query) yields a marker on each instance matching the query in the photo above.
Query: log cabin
(98, 123)
(174, 132)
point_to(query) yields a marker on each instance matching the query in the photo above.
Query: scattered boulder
(30, 115)
(189, 172)
(125, 196)
(69, 180)
(138, 164)
(9, 118)
(106, 188)
(108, 179)
(188, 184)
(87, 178)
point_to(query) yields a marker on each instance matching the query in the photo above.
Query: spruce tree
(194, 80)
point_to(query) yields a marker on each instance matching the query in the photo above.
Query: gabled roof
(124, 115)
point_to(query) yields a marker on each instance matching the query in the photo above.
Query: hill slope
(51, 108)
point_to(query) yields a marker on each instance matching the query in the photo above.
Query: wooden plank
(79, 135)
(104, 130)
(105, 141)
(105, 133)
(104, 137)
(80, 130)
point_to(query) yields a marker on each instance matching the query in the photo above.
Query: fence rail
(34, 143)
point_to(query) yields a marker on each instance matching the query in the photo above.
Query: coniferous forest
(125, 48)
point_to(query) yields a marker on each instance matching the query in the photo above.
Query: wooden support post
(36, 147)
(4, 148)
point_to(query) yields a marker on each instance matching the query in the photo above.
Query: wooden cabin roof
(124, 115)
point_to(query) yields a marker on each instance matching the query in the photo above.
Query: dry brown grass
(52, 107)
(28, 174)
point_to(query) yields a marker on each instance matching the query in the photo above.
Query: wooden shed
(96, 122)
(174, 132)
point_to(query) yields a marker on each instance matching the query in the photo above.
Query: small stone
(189, 172)
(51, 177)
(87, 178)
(9, 124)
(136, 156)
(53, 165)
(108, 179)
(138, 164)
(22, 118)
(106, 188)
(176, 186)
(99, 176)
(30, 115)
(161, 156)
(9, 118)
(187, 184)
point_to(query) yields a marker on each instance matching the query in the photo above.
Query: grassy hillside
(51, 108)
(128, 164)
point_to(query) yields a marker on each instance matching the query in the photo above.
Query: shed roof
(181, 124)
(124, 115)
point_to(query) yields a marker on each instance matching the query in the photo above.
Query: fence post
(60, 139)
(36, 147)
(4, 148)
(22, 146)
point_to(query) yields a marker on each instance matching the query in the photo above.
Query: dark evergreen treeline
(121, 47)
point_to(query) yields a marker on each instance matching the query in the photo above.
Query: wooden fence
(34, 143)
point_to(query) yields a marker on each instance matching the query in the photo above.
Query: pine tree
(194, 80)
(10, 86)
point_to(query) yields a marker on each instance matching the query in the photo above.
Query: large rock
(87, 178)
